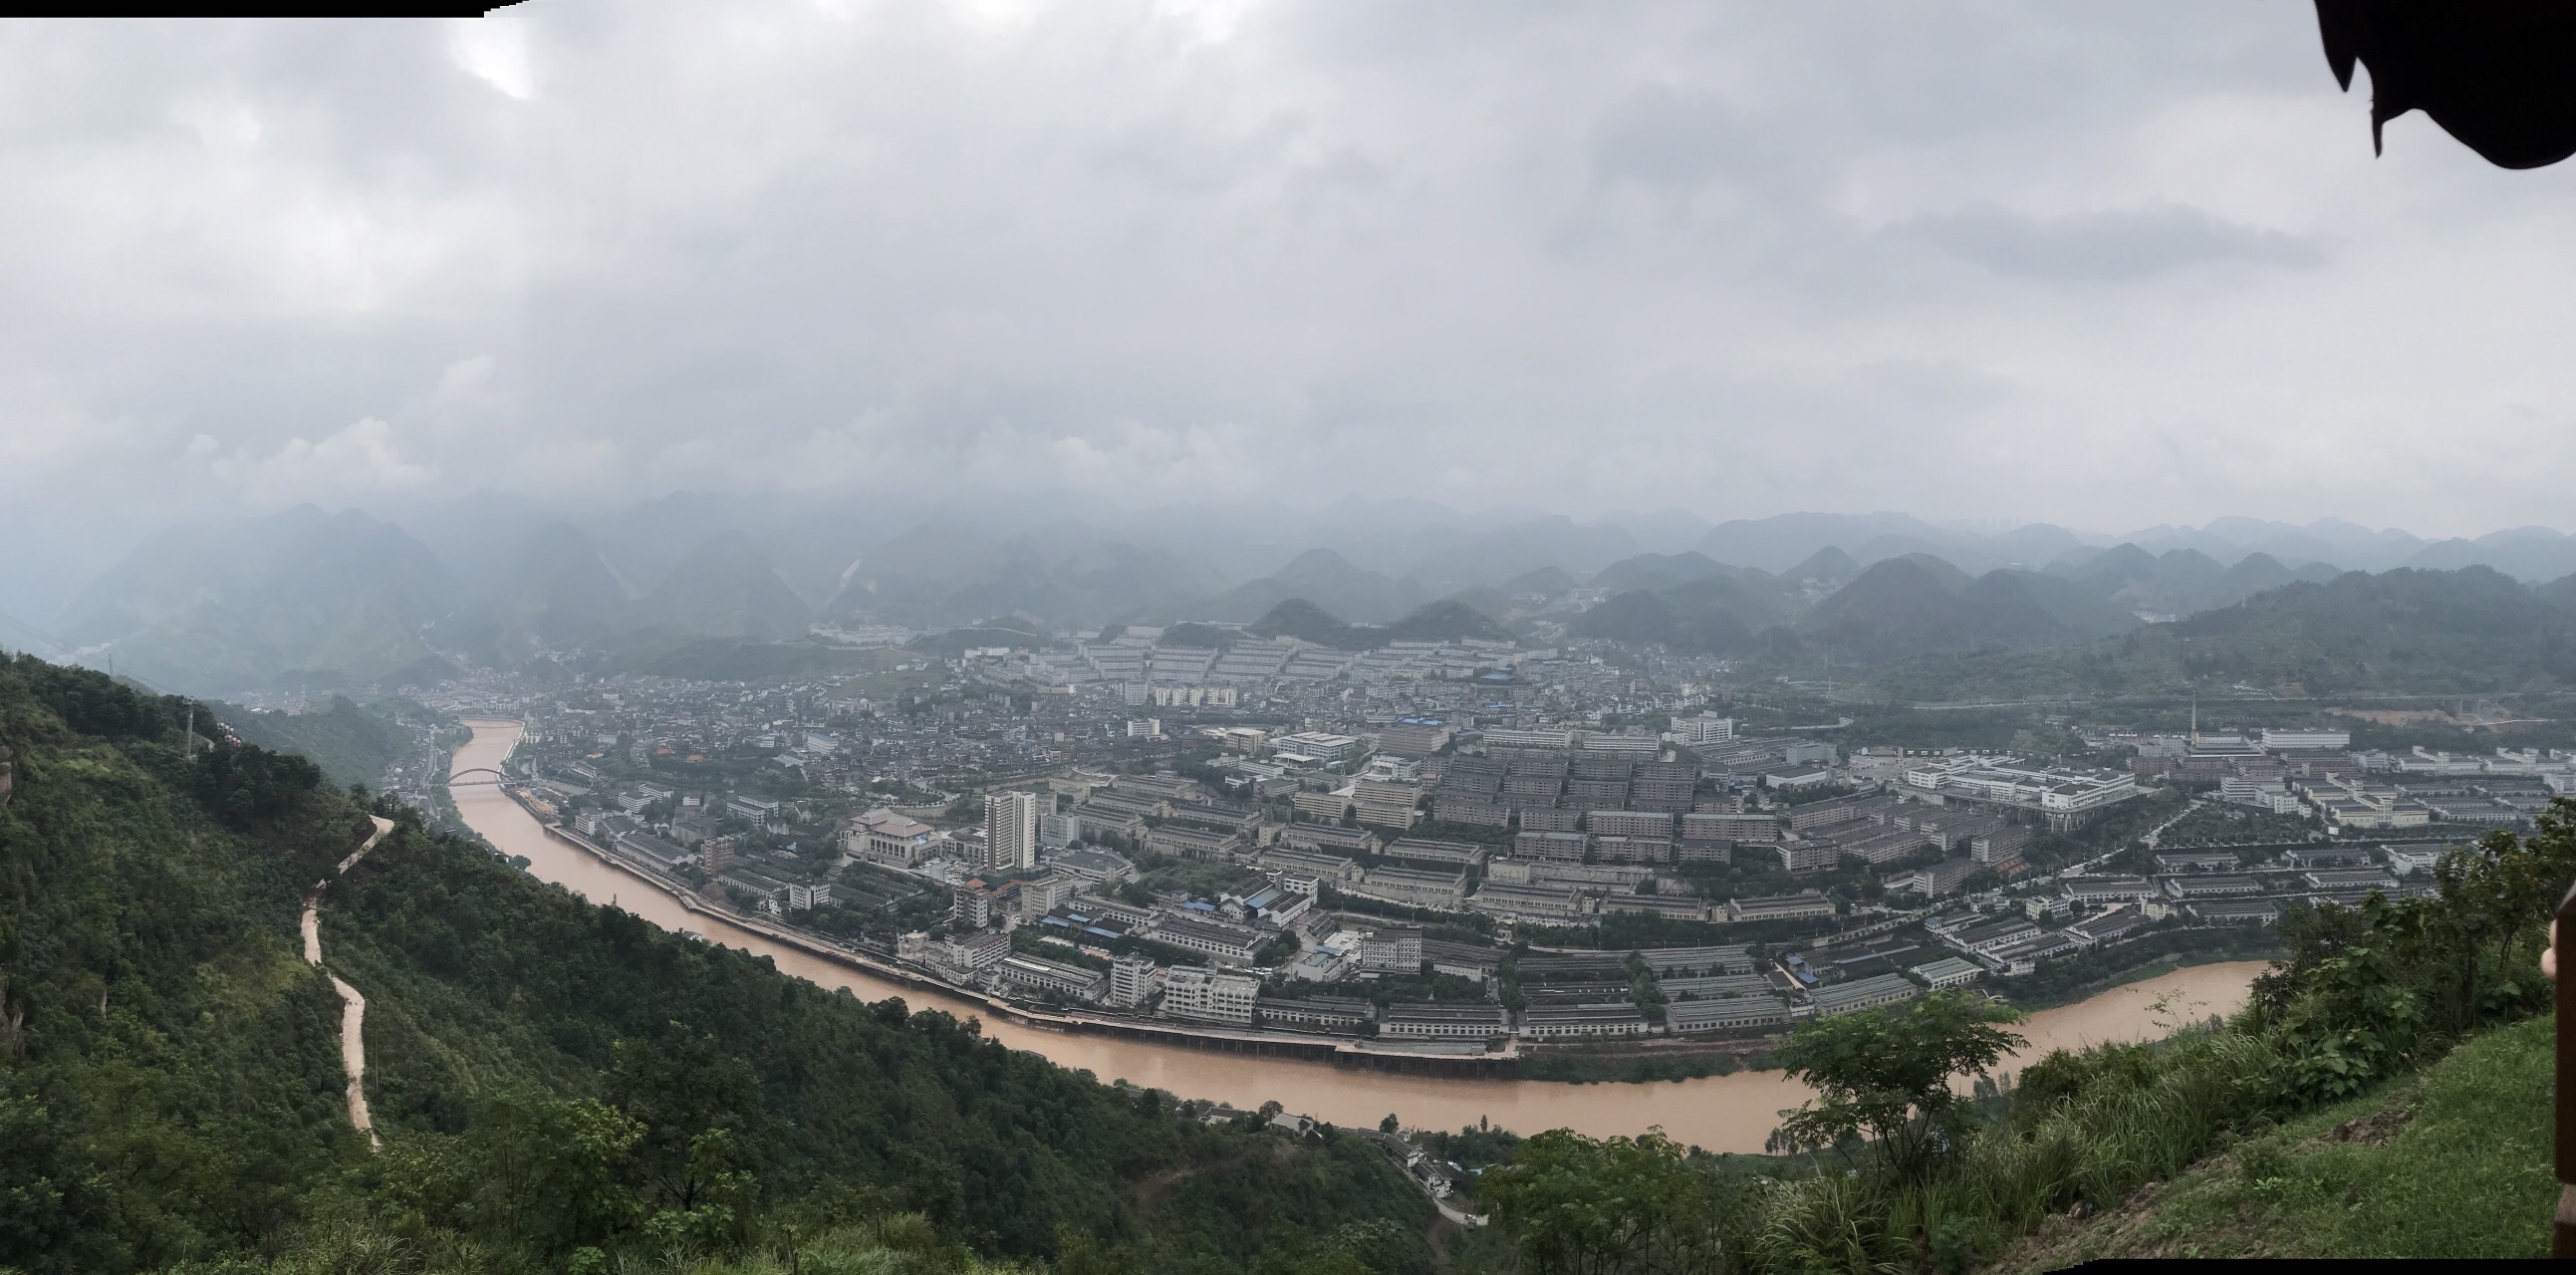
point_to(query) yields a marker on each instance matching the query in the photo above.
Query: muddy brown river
(1721, 1113)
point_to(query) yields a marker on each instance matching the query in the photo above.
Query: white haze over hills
(253, 603)
(1225, 281)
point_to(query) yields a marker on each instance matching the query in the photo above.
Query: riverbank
(1342, 1051)
(1730, 1113)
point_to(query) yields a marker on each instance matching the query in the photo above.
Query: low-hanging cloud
(1737, 259)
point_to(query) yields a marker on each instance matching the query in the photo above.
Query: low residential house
(2173, 861)
(1948, 972)
(1228, 943)
(1528, 902)
(2107, 889)
(1425, 850)
(760, 890)
(1327, 837)
(1732, 1013)
(1094, 867)
(1470, 961)
(1678, 907)
(1194, 843)
(1037, 975)
(1484, 1021)
(1334, 1014)
(651, 851)
(1587, 1021)
(2106, 926)
(2213, 887)
(1277, 905)
(1995, 935)
(1412, 887)
(1326, 868)
(2236, 911)
(1114, 827)
(1861, 994)
(1780, 907)
(1692, 961)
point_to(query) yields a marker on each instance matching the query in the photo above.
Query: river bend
(1720, 1113)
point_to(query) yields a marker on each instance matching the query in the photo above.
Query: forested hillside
(2471, 631)
(352, 745)
(558, 1085)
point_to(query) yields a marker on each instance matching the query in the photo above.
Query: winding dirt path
(353, 1007)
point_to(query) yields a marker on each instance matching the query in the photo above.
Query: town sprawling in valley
(1474, 848)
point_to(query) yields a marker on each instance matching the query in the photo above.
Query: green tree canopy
(1580, 1206)
(1885, 1074)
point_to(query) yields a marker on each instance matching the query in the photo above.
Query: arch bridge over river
(1721, 1113)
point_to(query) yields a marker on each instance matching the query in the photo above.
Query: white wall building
(1010, 830)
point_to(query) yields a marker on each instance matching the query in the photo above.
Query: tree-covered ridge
(169, 1069)
(2470, 631)
(352, 745)
(559, 1085)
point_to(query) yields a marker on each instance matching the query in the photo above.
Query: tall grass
(2141, 1114)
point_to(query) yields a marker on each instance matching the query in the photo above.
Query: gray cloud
(2124, 244)
(1132, 252)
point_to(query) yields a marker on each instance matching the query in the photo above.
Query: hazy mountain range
(306, 598)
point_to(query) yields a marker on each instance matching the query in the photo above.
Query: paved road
(353, 1007)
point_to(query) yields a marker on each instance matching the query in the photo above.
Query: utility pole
(191, 753)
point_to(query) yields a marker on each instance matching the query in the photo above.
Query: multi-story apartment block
(1210, 994)
(1562, 847)
(1629, 823)
(1133, 982)
(1010, 830)
(1385, 805)
(1780, 907)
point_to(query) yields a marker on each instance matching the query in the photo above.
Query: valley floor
(2451, 1163)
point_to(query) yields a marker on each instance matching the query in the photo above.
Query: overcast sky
(2104, 265)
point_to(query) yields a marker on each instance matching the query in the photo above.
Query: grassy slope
(2451, 1163)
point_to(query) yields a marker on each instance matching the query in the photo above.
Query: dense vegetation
(2471, 631)
(2450, 1164)
(558, 1085)
(352, 745)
